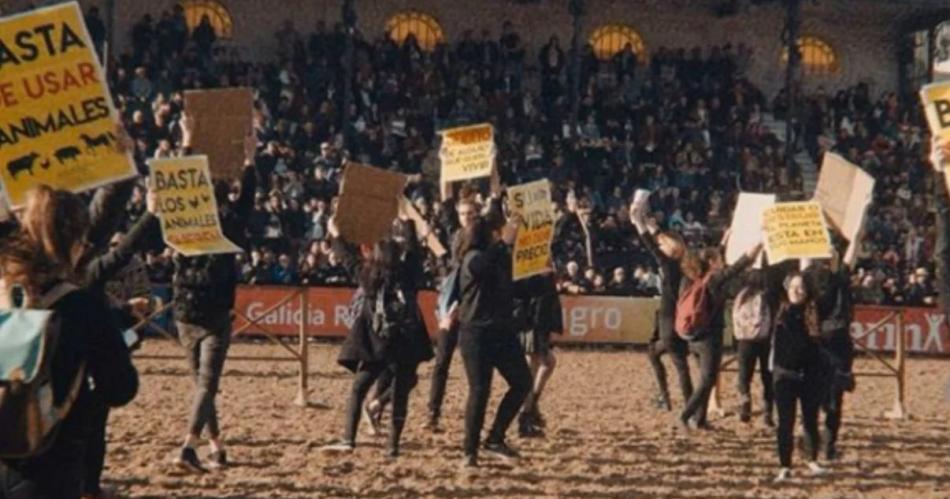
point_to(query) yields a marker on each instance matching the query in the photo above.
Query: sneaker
(528, 430)
(188, 460)
(682, 425)
(217, 460)
(339, 447)
(831, 453)
(501, 449)
(371, 421)
(816, 469)
(769, 422)
(783, 475)
(393, 452)
(745, 412)
(469, 462)
(538, 419)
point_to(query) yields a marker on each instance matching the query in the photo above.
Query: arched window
(218, 15)
(612, 38)
(818, 58)
(426, 29)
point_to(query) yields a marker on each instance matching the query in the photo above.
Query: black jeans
(678, 351)
(448, 340)
(808, 391)
(748, 354)
(709, 350)
(404, 378)
(95, 456)
(482, 353)
(206, 350)
(840, 351)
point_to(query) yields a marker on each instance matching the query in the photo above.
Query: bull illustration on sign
(22, 164)
(102, 140)
(69, 153)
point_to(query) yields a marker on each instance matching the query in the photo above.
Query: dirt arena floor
(605, 439)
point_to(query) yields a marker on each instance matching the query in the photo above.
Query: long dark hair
(382, 268)
(477, 236)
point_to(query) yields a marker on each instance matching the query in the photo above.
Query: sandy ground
(605, 439)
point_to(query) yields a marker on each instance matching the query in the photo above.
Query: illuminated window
(612, 38)
(818, 58)
(219, 17)
(426, 29)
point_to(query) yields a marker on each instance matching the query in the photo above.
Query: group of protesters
(62, 252)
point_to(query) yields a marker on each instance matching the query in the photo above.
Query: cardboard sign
(746, 229)
(844, 192)
(187, 207)
(467, 152)
(57, 122)
(369, 202)
(795, 230)
(222, 118)
(532, 255)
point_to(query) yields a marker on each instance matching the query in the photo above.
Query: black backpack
(392, 313)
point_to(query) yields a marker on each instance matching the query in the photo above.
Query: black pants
(57, 474)
(840, 352)
(709, 350)
(482, 353)
(402, 382)
(748, 354)
(94, 457)
(384, 387)
(206, 351)
(808, 391)
(678, 351)
(448, 340)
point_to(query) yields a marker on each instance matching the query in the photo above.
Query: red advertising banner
(587, 319)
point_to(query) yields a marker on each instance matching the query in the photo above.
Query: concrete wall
(864, 33)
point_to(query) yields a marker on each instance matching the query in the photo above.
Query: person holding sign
(797, 372)
(486, 337)
(667, 249)
(700, 321)
(204, 287)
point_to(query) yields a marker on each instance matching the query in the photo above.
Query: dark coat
(362, 344)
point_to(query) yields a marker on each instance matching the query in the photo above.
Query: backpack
(694, 310)
(392, 313)
(28, 343)
(751, 317)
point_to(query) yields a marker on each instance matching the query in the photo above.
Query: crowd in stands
(686, 124)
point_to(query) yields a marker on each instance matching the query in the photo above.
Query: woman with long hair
(705, 268)
(43, 259)
(797, 371)
(388, 334)
(487, 338)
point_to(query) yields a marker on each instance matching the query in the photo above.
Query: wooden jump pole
(303, 354)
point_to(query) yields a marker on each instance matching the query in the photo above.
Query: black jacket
(487, 299)
(671, 277)
(204, 286)
(87, 334)
(792, 348)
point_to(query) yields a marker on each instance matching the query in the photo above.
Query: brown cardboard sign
(222, 118)
(369, 202)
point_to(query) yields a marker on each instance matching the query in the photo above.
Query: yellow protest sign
(467, 152)
(187, 207)
(57, 120)
(532, 255)
(795, 230)
(936, 100)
